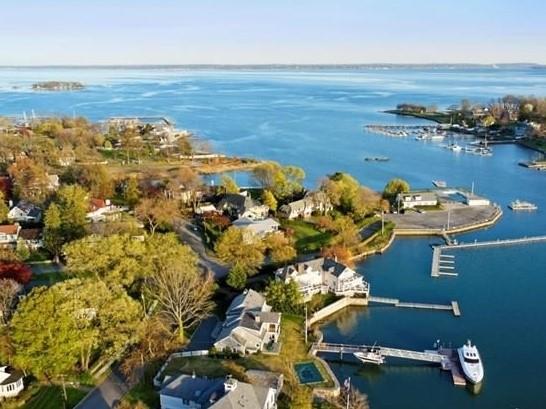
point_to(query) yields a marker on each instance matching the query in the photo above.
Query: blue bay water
(315, 119)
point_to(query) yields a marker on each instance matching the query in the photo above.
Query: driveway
(192, 238)
(105, 395)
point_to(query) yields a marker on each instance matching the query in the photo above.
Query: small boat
(376, 159)
(521, 205)
(439, 183)
(371, 356)
(454, 147)
(470, 360)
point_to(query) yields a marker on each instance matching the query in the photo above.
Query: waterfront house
(257, 228)
(410, 200)
(25, 212)
(192, 392)
(9, 233)
(240, 205)
(312, 202)
(11, 382)
(324, 275)
(250, 325)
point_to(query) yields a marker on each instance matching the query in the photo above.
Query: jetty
(447, 358)
(395, 302)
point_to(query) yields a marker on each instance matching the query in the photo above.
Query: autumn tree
(340, 253)
(280, 247)
(60, 328)
(72, 204)
(394, 187)
(8, 295)
(3, 208)
(30, 180)
(237, 276)
(131, 192)
(236, 249)
(157, 212)
(228, 184)
(97, 179)
(283, 182)
(182, 293)
(15, 270)
(269, 200)
(190, 181)
(348, 196)
(53, 235)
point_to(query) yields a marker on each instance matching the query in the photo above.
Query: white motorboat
(439, 183)
(470, 360)
(454, 147)
(521, 205)
(371, 356)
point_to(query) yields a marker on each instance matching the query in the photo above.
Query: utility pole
(382, 222)
(448, 217)
(306, 324)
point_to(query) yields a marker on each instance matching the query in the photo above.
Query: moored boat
(371, 356)
(471, 362)
(522, 205)
(439, 183)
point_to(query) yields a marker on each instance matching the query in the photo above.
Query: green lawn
(50, 278)
(308, 237)
(51, 397)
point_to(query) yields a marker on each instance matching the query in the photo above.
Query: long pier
(395, 302)
(447, 358)
(493, 243)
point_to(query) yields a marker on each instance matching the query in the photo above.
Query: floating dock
(395, 302)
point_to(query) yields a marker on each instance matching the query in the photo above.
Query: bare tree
(356, 400)
(8, 292)
(183, 295)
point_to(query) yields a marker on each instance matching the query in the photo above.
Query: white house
(32, 238)
(410, 200)
(191, 392)
(259, 228)
(312, 202)
(25, 212)
(9, 233)
(103, 210)
(11, 382)
(324, 275)
(250, 325)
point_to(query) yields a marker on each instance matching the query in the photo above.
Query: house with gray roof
(312, 202)
(191, 392)
(257, 228)
(241, 205)
(11, 382)
(25, 212)
(322, 276)
(250, 326)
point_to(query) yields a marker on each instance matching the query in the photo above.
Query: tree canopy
(284, 297)
(394, 187)
(234, 248)
(59, 329)
(282, 181)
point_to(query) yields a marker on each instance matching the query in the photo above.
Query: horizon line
(282, 65)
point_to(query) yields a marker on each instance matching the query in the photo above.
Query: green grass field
(308, 238)
(51, 397)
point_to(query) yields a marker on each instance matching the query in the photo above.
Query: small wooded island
(58, 86)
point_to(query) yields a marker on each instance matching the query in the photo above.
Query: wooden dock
(395, 302)
(442, 262)
(494, 243)
(447, 358)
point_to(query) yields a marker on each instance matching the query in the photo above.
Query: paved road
(187, 233)
(106, 395)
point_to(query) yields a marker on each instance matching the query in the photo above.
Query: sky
(116, 32)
